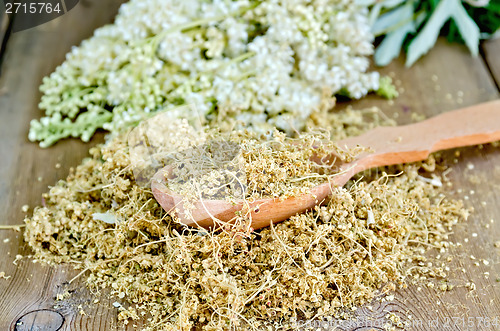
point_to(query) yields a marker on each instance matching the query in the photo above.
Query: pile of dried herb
(372, 232)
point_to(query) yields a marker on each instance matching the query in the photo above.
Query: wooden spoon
(389, 145)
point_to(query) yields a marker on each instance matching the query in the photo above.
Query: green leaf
(374, 14)
(393, 20)
(445, 10)
(365, 3)
(468, 29)
(434, 3)
(390, 47)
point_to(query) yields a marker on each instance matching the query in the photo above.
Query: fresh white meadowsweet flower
(252, 63)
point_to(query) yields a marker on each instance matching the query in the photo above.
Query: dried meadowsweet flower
(313, 265)
(246, 165)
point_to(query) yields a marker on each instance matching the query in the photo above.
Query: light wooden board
(26, 171)
(447, 78)
(491, 49)
(4, 27)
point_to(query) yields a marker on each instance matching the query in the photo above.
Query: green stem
(244, 75)
(237, 59)
(74, 96)
(183, 27)
(11, 227)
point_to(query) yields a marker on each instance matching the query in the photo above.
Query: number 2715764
(32, 8)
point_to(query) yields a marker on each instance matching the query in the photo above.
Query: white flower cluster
(262, 63)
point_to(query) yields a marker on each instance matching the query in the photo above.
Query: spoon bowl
(473, 125)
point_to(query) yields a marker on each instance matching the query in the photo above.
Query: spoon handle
(389, 145)
(468, 126)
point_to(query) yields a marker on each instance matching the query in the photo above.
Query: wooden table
(447, 78)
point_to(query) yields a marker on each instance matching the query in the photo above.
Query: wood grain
(26, 170)
(442, 80)
(447, 78)
(491, 50)
(4, 27)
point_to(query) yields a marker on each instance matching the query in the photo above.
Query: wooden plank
(491, 50)
(445, 79)
(4, 26)
(30, 55)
